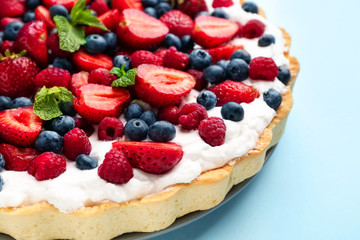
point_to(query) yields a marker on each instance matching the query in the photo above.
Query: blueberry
(172, 40)
(284, 75)
(21, 102)
(223, 63)
(214, 74)
(162, 131)
(95, 44)
(134, 110)
(49, 141)
(5, 103)
(29, 16)
(250, 7)
(149, 117)
(67, 108)
(32, 4)
(12, 29)
(111, 40)
(136, 129)
(85, 162)
(2, 162)
(202, 13)
(151, 11)
(208, 99)
(149, 3)
(187, 43)
(58, 9)
(62, 124)
(273, 99)
(220, 13)
(162, 8)
(200, 59)
(232, 111)
(241, 54)
(237, 70)
(63, 63)
(120, 60)
(266, 40)
(1, 37)
(1, 183)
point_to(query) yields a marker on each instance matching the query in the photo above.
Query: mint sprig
(72, 34)
(46, 102)
(124, 78)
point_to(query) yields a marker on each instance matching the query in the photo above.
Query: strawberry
(10, 45)
(137, 29)
(16, 78)
(53, 44)
(17, 159)
(201, 83)
(47, 165)
(109, 19)
(144, 57)
(99, 6)
(230, 91)
(87, 62)
(6, 20)
(66, 3)
(51, 77)
(222, 3)
(11, 8)
(170, 114)
(32, 38)
(151, 157)
(76, 143)
(162, 86)
(178, 23)
(77, 81)
(126, 4)
(42, 13)
(96, 102)
(19, 126)
(211, 31)
(175, 59)
(222, 52)
(101, 76)
(160, 52)
(193, 7)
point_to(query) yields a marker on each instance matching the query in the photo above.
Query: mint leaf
(46, 102)
(70, 37)
(122, 82)
(124, 79)
(78, 7)
(85, 18)
(131, 74)
(119, 72)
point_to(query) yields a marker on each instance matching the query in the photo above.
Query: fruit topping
(2, 162)
(250, 7)
(47, 165)
(110, 128)
(222, 3)
(145, 57)
(253, 29)
(87, 62)
(43, 14)
(237, 70)
(175, 59)
(200, 59)
(191, 115)
(266, 40)
(193, 7)
(126, 4)
(212, 131)
(51, 77)
(77, 81)
(178, 23)
(101, 76)
(207, 99)
(84, 125)
(136, 129)
(75, 143)
(95, 44)
(12, 29)
(85, 162)
(21, 102)
(201, 83)
(11, 8)
(162, 131)
(241, 54)
(99, 6)
(222, 52)
(220, 13)
(232, 111)
(262, 68)
(214, 74)
(17, 159)
(149, 117)
(49, 141)
(273, 99)
(170, 114)
(61, 124)
(284, 74)
(121, 60)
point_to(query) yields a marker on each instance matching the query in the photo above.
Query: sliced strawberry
(151, 157)
(223, 52)
(109, 19)
(11, 8)
(66, 3)
(139, 30)
(222, 3)
(211, 31)
(6, 20)
(126, 4)
(162, 86)
(77, 81)
(86, 62)
(95, 102)
(19, 126)
(17, 159)
(193, 7)
(32, 38)
(42, 13)
(178, 22)
(99, 6)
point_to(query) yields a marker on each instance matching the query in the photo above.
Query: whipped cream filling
(75, 189)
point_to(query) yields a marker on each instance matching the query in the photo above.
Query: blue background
(310, 187)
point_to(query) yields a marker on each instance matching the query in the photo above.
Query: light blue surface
(310, 187)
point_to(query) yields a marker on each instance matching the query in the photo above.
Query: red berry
(109, 19)
(201, 83)
(77, 81)
(151, 157)
(222, 52)
(253, 29)
(43, 14)
(101, 76)
(54, 45)
(66, 3)
(212, 131)
(262, 68)
(47, 165)
(99, 6)
(11, 8)
(115, 168)
(7, 45)
(170, 114)
(193, 7)
(175, 59)
(160, 52)
(178, 23)
(230, 91)
(17, 159)
(191, 115)
(240, 32)
(75, 143)
(87, 62)
(144, 57)
(222, 3)
(51, 77)
(6, 20)
(110, 128)
(84, 125)
(126, 4)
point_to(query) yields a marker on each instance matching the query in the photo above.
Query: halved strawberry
(162, 86)
(42, 13)
(193, 7)
(32, 38)
(178, 22)
(109, 19)
(95, 102)
(17, 159)
(126, 4)
(87, 62)
(77, 81)
(19, 126)
(151, 157)
(211, 31)
(11, 8)
(139, 30)
(66, 3)
(222, 52)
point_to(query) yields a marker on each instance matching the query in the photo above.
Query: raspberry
(178, 23)
(170, 114)
(110, 128)
(75, 143)
(191, 115)
(17, 159)
(51, 77)
(53, 44)
(142, 57)
(99, 6)
(262, 68)
(253, 29)
(175, 59)
(240, 32)
(160, 52)
(201, 83)
(101, 76)
(84, 125)
(115, 168)
(222, 3)
(47, 165)
(212, 131)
